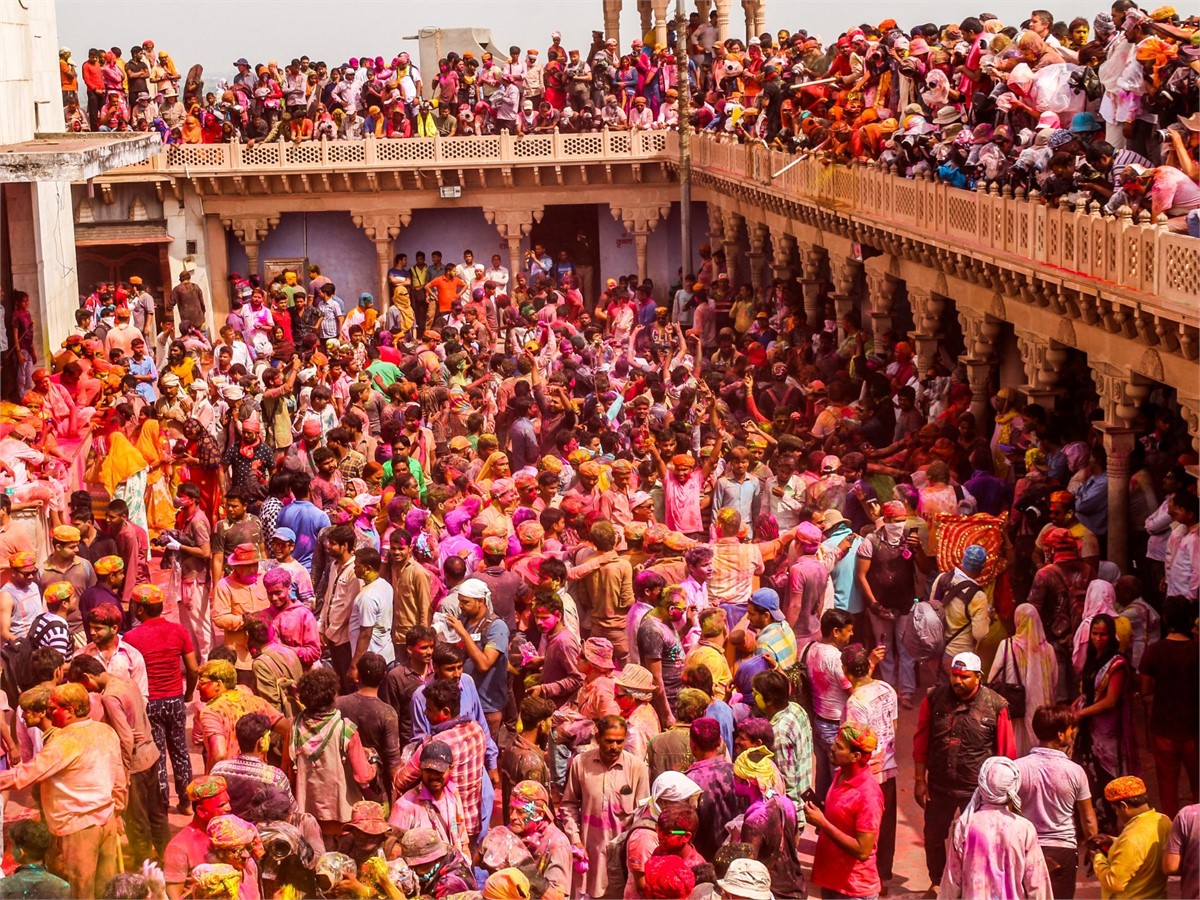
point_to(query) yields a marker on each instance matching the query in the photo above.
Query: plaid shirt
(352, 464)
(468, 743)
(794, 753)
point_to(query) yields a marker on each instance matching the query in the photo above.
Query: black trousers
(146, 817)
(885, 850)
(939, 816)
(1063, 863)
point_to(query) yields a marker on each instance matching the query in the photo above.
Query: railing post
(369, 156)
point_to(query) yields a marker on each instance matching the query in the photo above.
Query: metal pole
(685, 140)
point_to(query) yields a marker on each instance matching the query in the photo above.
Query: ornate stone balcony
(501, 160)
(1123, 278)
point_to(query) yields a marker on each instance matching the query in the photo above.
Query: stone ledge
(74, 157)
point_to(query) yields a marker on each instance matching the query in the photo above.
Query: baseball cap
(438, 757)
(966, 662)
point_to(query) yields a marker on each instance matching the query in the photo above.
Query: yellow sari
(160, 507)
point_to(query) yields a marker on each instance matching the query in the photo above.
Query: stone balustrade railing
(1134, 261)
(401, 153)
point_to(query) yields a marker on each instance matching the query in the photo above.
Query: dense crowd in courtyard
(498, 587)
(1105, 112)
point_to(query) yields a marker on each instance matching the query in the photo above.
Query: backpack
(616, 866)
(927, 636)
(801, 683)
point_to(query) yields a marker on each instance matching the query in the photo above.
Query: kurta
(597, 805)
(1000, 859)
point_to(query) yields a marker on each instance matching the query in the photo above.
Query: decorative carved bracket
(383, 226)
(640, 219)
(513, 223)
(251, 229)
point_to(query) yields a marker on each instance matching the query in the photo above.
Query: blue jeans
(890, 633)
(824, 734)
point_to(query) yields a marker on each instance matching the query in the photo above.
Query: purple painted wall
(345, 255)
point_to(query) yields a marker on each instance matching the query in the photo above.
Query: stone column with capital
(251, 231)
(751, 9)
(927, 309)
(881, 293)
(723, 19)
(1039, 386)
(783, 255)
(645, 14)
(979, 334)
(733, 248)
(811, 283)
(1118, 438)
(639, 221)
(662, 15)
(612, 20)
(757, 232)
(844, 271)
(513, 225)
(383, 229)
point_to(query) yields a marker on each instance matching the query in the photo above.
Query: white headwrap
(670, 787)
(999, 784)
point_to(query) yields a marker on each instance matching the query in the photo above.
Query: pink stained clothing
(82, 778)
(682, 502)
(124, 661)
(1000, 857)
(643, 724)
(854, 805)
(296, 627)
(1173, 193)
(188, 849)
(418, 808)
(598, 698)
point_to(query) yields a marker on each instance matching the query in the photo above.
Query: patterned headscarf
(755, 765)
(231, 833)
(206, 786)
(860, 737)
(215, 880)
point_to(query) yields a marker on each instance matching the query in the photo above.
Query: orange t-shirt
(447, 290)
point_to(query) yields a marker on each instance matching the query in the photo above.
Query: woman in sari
(1101, 597)
(123, 471)
(1104, 746)
(1027, 658)
(202, 457)
(156, 449)
(495, 467)
(191, 132)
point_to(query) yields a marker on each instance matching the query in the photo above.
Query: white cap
(966, 662)
(746, 878)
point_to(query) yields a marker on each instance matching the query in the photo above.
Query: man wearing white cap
(746, 879)
(960, 725)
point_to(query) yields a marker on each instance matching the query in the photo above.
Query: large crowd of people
(1105, 112)
(505, 590)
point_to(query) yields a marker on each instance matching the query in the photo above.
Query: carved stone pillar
(1037, 389)
(702, 7)
(783, 252)
(1118, 438)
(733, 248)
(383, 229)
(1189, 410)
(640, 221)
(979, 335)
(513, 225)
(751, 9)
(612, 20)
(811, 283)
(661, 17)
(723, 19)
(716, 226)
(251, 231)
(645, 13)
(881, 292)
(757, 233)
(844, 271)
(927, 310)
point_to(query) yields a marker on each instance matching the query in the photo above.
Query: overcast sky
(216, 32)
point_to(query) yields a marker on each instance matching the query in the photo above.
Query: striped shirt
(778, 641)
(50, 630)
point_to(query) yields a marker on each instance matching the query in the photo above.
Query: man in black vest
(961, 724)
